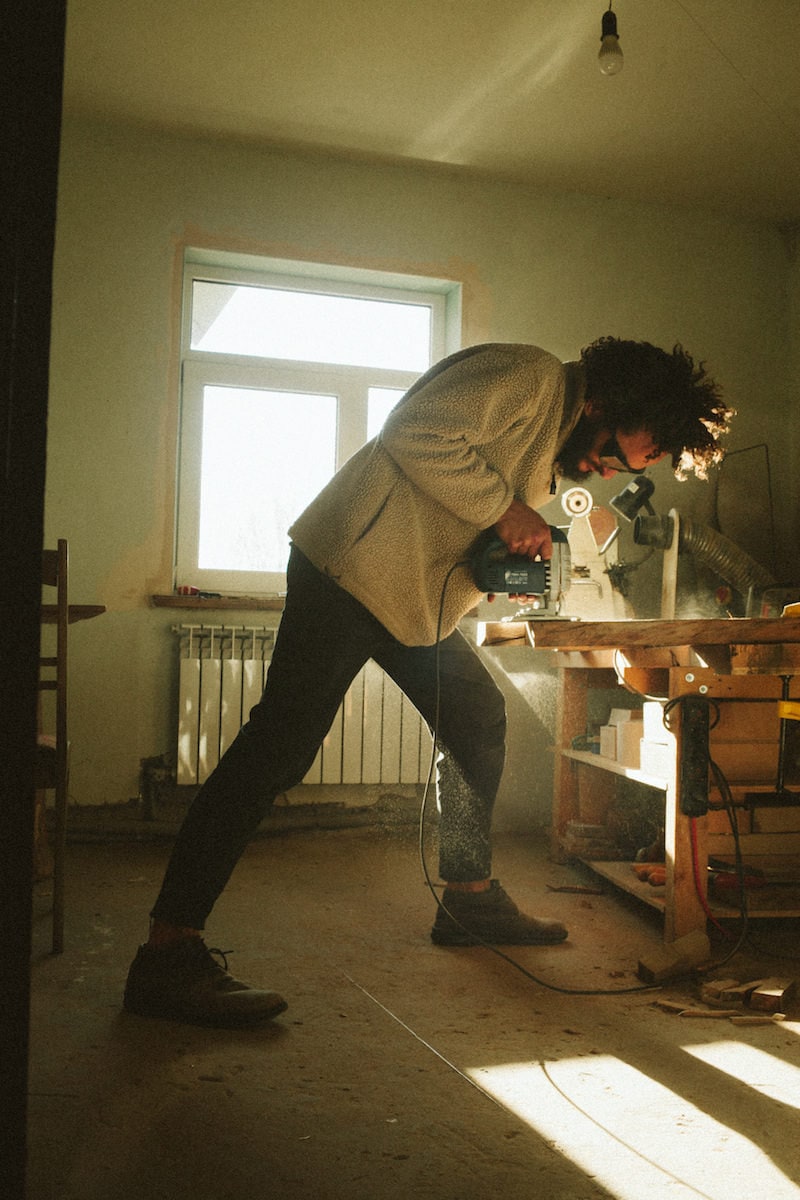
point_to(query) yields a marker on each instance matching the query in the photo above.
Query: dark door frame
(31, 79)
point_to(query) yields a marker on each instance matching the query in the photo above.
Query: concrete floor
(400, 1069)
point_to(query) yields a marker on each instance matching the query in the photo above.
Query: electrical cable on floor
(428, 1046)
(646, 987)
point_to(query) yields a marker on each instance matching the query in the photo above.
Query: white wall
(554, 270)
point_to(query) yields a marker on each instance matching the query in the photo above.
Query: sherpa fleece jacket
(479, 429)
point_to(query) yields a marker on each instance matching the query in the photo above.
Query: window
(286, 373)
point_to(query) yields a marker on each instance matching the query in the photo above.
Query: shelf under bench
(774, 900)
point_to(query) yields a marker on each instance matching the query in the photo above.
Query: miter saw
(574, 583)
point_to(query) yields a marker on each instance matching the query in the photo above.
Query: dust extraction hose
(710, 546)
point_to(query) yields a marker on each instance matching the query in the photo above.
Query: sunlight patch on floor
(630, 1133)
(758, 1069)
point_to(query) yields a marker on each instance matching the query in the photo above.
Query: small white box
(608, 741)
(619, 716)
(629, 735)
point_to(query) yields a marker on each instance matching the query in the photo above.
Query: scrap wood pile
(757, 1002)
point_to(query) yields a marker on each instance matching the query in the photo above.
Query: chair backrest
(53, 668)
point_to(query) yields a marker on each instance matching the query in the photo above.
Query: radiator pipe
(710, 546)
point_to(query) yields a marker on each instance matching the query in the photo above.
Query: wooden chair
(52, 753)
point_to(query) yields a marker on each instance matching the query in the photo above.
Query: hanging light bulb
(610, 56)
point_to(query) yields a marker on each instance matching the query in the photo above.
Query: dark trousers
(324, 639)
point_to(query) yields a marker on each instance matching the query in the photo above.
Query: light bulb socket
(609, 28)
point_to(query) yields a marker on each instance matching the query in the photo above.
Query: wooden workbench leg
(684, 911)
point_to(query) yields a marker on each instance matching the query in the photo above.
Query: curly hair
(638, 386)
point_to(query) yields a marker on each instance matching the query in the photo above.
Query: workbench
(744, 666)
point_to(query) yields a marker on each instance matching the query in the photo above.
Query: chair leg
(42, 852)
(59, 852)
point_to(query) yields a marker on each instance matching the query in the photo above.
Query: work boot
(491, 917)
(183, 981)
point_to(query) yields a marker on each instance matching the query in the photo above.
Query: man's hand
(526, 532)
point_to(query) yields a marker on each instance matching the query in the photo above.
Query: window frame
(350, 384)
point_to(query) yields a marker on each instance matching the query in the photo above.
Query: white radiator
(377, 735)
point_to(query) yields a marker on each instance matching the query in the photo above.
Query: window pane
(260, 468)
(310, 327)
(380, 402)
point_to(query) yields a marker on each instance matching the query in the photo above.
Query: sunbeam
(630, 1133)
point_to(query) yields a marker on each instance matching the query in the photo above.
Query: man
(379, 569)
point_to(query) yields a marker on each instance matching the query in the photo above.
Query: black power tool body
(495, 569)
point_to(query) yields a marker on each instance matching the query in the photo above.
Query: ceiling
(705, 112)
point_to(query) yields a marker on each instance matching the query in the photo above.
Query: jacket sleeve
(443, 433)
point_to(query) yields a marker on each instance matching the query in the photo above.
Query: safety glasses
(611, 456)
